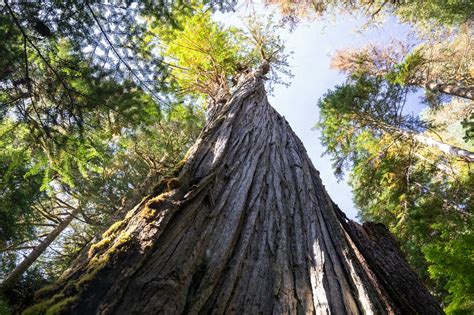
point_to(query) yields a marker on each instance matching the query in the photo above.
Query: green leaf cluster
(204, 56)
(207, 59)
(17, 189)
(444, 12)
(403, 72)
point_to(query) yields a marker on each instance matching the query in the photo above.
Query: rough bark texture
(246, 228)
(451, 89)
(381, 252)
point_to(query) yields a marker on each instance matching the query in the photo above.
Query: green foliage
(364, 107)
(207, 58)
(445, 12)
(78, 130)
(4, 307)
(204, 54)
(403, 72)
(454, 259)
(17, 190)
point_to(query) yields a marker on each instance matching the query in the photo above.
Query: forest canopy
(100, 102)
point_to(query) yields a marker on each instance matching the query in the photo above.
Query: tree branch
(120, 57)
(26, 37)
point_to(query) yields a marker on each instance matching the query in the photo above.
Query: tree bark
(451, 89)
(441, 146)
(16, 273)
(446, 148)
(246, 228)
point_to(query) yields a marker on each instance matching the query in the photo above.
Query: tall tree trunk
(13, 277)
(246, 228)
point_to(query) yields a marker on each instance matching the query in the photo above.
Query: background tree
(411, 173)
(444, 67)
(206, 61)
(420, 192)
(98, 116)
(422, 13)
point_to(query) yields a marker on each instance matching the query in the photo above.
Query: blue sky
(312, 44)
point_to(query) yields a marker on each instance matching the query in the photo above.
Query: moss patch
(60, 303)
(42, 307)
(113, 242)
(179, 166)
(59, 308)
(148, 213)
(46, 290)
(99, 246)
(113, 228)
(157, 202)
(107, 238)
(39, 308)
(99, 261)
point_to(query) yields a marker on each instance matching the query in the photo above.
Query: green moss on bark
(46, 290)
(113, 241)
(114, 228)
(44, 306)
(61, 307)
(58, 303)
(99, 261)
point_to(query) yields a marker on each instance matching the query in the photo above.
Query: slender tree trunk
(246, 228)
(463, 91)
(451, 89)
(445, 168)
(418, 137)
(13, 277)
(441, 146)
